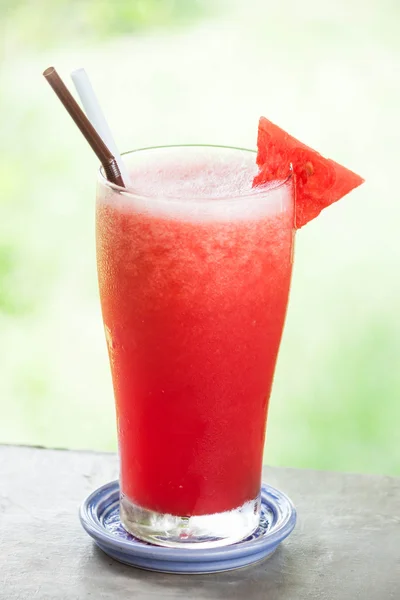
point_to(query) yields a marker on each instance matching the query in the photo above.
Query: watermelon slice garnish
(319, 181)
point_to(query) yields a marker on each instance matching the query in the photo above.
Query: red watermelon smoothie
(194, 272)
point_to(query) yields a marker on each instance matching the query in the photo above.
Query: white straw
(96, 117)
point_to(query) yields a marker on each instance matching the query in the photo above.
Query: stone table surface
(346, 544)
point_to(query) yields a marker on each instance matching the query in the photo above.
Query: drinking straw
(96, 116)
(104, 155)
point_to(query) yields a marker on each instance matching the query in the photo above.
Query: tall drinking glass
(194, 273)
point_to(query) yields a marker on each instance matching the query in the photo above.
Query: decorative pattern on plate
(99, 516)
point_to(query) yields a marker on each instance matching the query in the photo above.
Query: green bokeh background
(173, 72)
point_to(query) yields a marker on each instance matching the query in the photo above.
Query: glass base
(204, 531)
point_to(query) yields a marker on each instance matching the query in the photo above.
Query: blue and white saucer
(99, 515)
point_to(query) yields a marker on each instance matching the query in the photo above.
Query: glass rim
(129, 192)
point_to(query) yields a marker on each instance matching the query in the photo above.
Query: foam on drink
(196, 183)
